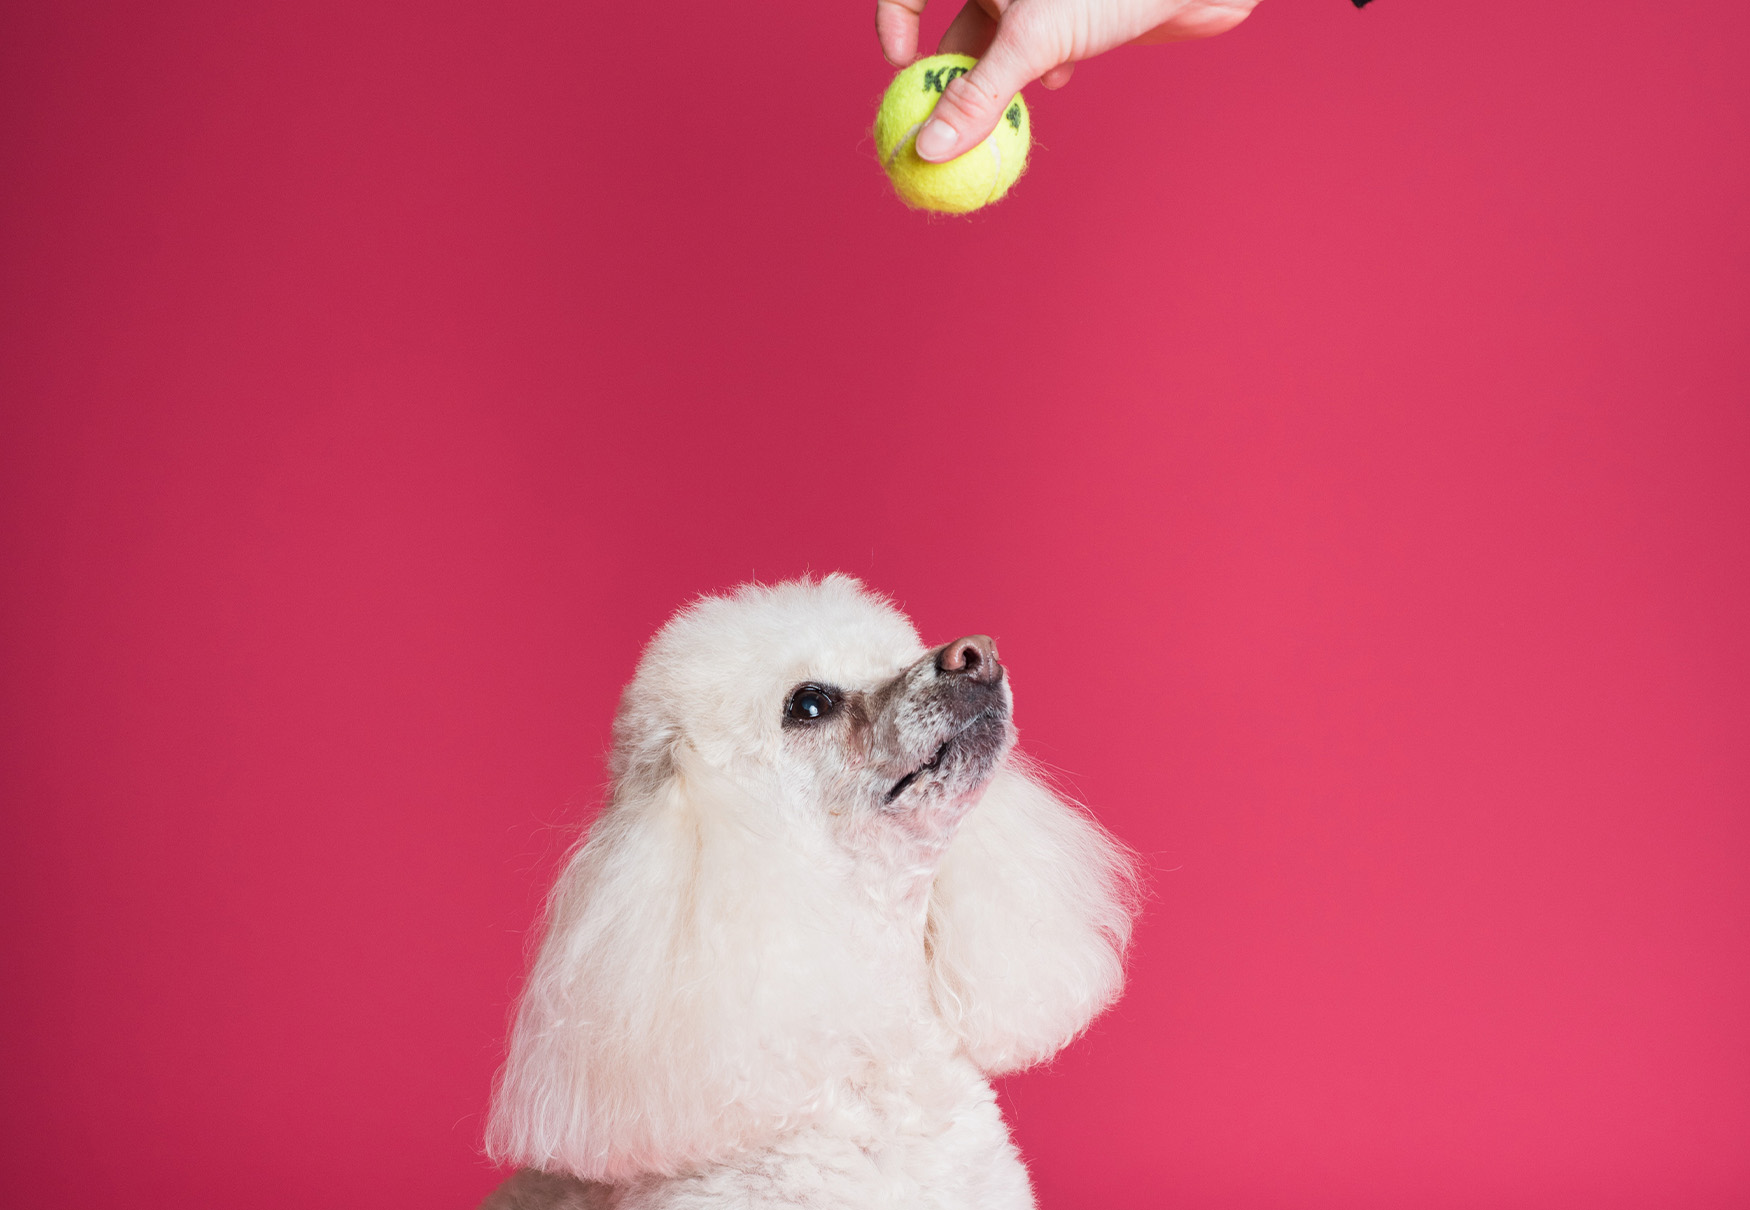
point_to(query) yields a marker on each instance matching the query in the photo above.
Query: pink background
(1343, 429)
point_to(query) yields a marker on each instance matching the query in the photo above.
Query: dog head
(819, 844)
(820, 701)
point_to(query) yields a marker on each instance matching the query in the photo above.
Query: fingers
(896, 24)
(970, 33)
(1058, 76)
(1019, 41)
(973, 104)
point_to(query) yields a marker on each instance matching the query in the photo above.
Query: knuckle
(966, 104)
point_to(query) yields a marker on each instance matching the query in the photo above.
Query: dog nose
(973, 657)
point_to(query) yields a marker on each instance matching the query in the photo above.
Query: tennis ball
(977, 178)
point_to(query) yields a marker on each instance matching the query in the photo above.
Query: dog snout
(973, 658)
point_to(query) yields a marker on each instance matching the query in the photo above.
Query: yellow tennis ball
(977, 178)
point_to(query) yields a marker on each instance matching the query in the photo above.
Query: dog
(826, 902)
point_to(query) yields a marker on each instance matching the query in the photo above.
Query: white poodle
(825, 904)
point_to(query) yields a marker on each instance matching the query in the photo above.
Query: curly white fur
(790, 953)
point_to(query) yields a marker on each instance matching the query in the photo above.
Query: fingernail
(935, 140)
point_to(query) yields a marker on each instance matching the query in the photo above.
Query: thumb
(973, 104)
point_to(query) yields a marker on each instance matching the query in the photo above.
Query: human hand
(1019, 41)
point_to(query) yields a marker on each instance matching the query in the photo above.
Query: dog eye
(809, 704)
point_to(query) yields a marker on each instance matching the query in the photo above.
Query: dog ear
(680, 1004)
(1028, 924)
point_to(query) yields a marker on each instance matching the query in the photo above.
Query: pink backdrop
(1343, 429)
